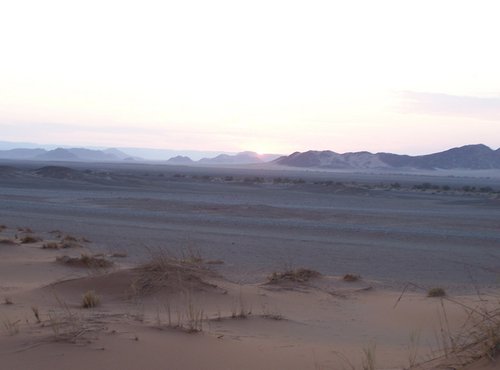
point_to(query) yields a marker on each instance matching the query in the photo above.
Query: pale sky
(270, 76)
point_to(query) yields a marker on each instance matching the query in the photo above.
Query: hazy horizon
(270, 77)
(165, 154)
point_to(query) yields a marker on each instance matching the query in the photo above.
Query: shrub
(85, 261)
(51, 245)
(28, 239)
(436, 292)
(300, 275)
(351, 277)
(90, 299)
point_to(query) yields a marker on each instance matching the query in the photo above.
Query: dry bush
(7, 301)
(436, 292)
(60, 245)
(12, 327)
(28, 239)
(476, 339)
(25, 230)
(167, 271)
(90, 299)
(70, 238)
(300, 275)
(85, 260)
(2, 228)
(51, 245)
(351, 278)
(272, 315)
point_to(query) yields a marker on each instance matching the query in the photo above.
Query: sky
(270, 76)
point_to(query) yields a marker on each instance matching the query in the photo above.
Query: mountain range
(474, 157)
(114, 155)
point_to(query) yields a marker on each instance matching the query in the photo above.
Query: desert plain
(246, 268)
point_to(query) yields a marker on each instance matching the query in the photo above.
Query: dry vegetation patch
(351, 278)
(85, 260)
(90, 299)
(436, 292)
(60, 245)
(300, 275)
(176, 274)
(29, 239)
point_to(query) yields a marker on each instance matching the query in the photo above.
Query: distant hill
(183, 160)
(239, 158)
(69, 155)
(474, 157)
(21, 153)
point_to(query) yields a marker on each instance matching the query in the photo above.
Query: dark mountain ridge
(474, 157)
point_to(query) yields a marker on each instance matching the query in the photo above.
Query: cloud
(486, 109)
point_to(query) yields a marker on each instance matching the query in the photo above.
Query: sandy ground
(335, 223)
(322, 323)
(398, 240)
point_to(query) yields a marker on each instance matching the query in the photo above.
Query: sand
(321, 323)
(226, 240)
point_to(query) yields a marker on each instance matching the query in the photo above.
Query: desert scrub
(351, 277)
(51, 245)
(60, 245)
(28, 239)
(300, 275)
(85, 260)
(11, 327)
(436, 292)
(90, 299)
(166, 271)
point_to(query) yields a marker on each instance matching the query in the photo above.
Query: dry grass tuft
(477, 339)
(51, 245)
(436, 292)
(25, 230)
(60, 245)
(85, 260)
(90, 299)
(12, 327)
(69, 238)
(167, 271)
(28, 239)
(119, 255)
(300, 275)
(351, 278)
(69, 327)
